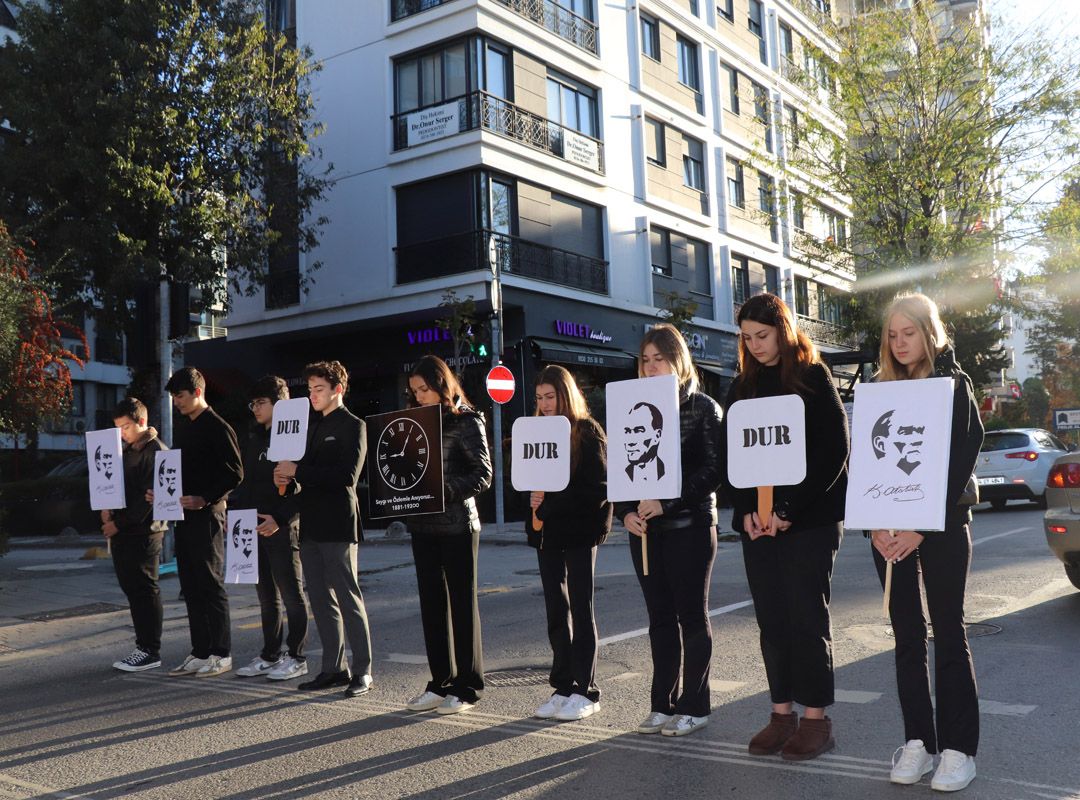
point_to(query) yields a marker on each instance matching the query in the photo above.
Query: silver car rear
(1062, 519)
(1013, 465)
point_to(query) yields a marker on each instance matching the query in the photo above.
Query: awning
(715, 368)
(583, 355)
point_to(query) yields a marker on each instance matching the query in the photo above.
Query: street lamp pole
(496, 359)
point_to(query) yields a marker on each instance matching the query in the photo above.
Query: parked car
(1062, 518)
(45, 506)
(1013, 465)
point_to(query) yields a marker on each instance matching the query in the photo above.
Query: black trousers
(943, 559)
(200, 563)
(281, 579)
(567, 577)
(136, 558)
(676, 594)
(790, 577)
(450, 613)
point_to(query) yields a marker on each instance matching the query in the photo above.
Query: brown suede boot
(813, 738)
(772, 737)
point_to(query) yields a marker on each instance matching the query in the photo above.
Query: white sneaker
(258, 666)
(452, 704)
(910, 763)
(654, 722)
(550, 707)
(287, 669)
(683, 724)
(577, 707)
(425, 701)
(189, 666)
(955, 771)
(215, 665)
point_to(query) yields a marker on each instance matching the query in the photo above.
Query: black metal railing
(558, 19)
(824, 332)
(513, 255)
(483, 110)
(399, 9)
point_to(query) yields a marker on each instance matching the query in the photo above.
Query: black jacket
(327, 476)
(819, 499)
(579, 515)
(466, 473)
(137, 518)
(258, 490)
(967, 437)
(699, 435)
(210, 457)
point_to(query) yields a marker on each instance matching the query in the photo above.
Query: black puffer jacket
(699, 434)
(466, 473)
(579, 515)
(967, 437)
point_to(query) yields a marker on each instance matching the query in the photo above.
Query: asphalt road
(70, 726)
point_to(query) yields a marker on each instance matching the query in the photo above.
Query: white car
(1013, 465)
(1062, 519)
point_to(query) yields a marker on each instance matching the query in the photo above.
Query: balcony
(561, 21)
(399, 9)
(491, 113)
(475, 250)
(827, 333)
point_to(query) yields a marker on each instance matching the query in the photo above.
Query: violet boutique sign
(579, 330)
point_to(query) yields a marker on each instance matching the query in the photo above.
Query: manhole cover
(527, 676)
(974, 629)
(76, 611)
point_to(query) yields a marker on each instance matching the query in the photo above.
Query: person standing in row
(789, 556)
(680, 535)
(280, 577)
(574, 522)
(914, 345)
(330, 528)
(135, 538)
(211, 468)
(445, 547)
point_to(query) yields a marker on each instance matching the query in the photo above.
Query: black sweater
(136, 519)
(210, 457)
(327, 476)
(819, 499)
(579, 515)
(258, 490)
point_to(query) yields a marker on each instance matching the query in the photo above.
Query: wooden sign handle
(764, 504)
(888, 584)
(537, 525)
(281, 490)
(644, 555)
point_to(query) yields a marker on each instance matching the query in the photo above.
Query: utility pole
(496, 359)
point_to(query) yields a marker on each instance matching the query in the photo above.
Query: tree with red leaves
(35, 371)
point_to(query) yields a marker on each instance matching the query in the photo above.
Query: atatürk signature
(905, 493)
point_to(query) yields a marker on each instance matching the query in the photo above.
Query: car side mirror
(1072, 447)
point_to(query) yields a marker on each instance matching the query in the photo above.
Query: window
(497, 76)
(280, 15)
(660, 245)
(756, 22)
(732, 88)
(688, 63)
(836, 228)
(726, 9)
(654, 142)
(694, 8)
(787, 42)
(697, 262)
(572, 104)
(829, 306)
(761, 104)
(650, 37)
(794, 134)
(772, 280)
(802, 297)
(431, 78)
(740, 280)
(736, 187)
(766, 204)
(798, 211)
(693, 164)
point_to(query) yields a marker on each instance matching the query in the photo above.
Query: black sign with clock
(405, 474)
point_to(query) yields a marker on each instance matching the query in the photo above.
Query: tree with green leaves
(148, 134)
(679, 311)
(937, 135)
(461, 323)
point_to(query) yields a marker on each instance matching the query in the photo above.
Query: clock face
(403, 454)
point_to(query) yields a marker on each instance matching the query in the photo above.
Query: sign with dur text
(242, 554)
(434, 123)
(541, 454)
(405, 468)
(581, 150)
(1066, 419)
(899, 472)
(288, 430)
(105, 463)
(766, 442)
(644, 444)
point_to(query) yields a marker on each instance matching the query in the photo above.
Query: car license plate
(991, 480)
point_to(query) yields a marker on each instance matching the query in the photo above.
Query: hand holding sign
(766, 446)
(288, 432)
(541, 456)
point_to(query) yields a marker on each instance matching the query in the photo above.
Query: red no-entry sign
(500, 384)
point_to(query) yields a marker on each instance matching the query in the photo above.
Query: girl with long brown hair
(574, 522)
(789, 556)
(680, 535)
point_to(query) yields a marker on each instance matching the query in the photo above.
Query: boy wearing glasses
(280, 578)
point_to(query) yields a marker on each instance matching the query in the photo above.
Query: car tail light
(1064, 476)
(1057, 529)
(1027, 455)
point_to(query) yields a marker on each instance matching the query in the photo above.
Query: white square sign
(644, 445)
(900, 438)
(541, 454)
(242, 551)
(168, 485)
(288, 430)
(766, 443)
(105, 463)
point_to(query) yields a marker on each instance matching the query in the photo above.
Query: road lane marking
(725, 686)
(1004, 709)
(999, 535)
(405, 658)
(855, 696)
(39, 789)
(621, 637)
